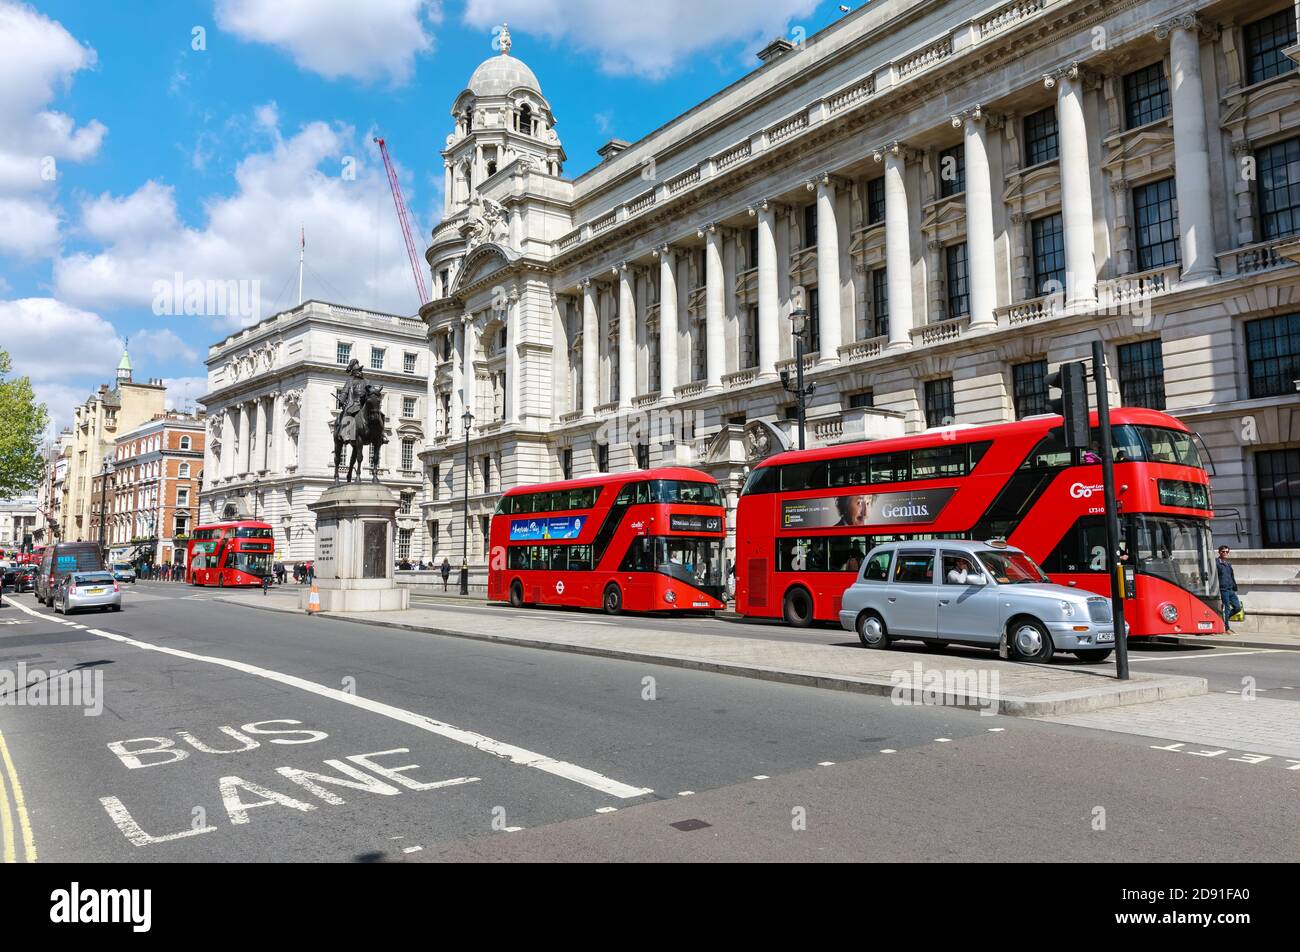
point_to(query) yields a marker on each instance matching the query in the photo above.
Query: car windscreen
(1012, 568)
(92, 578)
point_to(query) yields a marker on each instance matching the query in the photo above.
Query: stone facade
(968, 195)
(271, 408)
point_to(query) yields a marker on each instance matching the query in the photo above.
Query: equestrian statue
(360, 423)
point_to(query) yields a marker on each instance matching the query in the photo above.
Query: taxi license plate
(95, 591)
(1205, 625)
(1105, 636)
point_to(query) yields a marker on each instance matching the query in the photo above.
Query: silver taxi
(973, 593)
(86, 590)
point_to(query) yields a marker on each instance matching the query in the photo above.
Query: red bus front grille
(756, 575)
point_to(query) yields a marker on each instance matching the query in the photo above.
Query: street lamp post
(103, 499)
(799, 322)
(467, 418)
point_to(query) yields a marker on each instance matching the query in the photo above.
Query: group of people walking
(166, 572)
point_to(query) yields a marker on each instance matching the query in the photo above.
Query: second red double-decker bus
(649, 540)
(806, 519)
(230, 553)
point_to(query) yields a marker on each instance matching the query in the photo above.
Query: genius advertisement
(865, 509)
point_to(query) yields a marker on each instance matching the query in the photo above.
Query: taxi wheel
(516, 594)
(1093, 656)
(1029, 641)
(798, 608)
(613, 601)
(872, 631)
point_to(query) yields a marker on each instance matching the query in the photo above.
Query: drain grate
(687, 826)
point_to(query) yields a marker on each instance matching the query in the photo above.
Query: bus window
(850, 471)
(796, 476)
(847, 552)
(891, 467)
(579, 558)
(935, 462)
(1169, 446)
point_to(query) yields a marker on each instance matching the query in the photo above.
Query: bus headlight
(670, 596)
(1169, 612)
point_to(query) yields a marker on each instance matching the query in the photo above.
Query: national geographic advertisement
(865, 509)
(546, 528)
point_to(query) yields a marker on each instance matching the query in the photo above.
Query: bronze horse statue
(369, 428)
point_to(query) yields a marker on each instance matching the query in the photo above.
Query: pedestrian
(446, 572)
(1227, 587)
(311, 572)
(266, 583)
(297, 573)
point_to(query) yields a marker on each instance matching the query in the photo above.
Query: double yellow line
(13, 809)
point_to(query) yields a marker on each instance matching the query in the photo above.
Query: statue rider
(351, 399)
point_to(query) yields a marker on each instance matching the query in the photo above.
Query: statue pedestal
(356, 529)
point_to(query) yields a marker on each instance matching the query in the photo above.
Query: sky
(149, 150)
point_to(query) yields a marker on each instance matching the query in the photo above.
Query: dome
(500, 74)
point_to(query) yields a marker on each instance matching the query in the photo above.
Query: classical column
(448, 186)
(514, 334)
(1191, 147)
(828, 270)
(769, 306)
(715, 339)
(277, 428)
(898, 244)
(227, 443)
(667, 321)
(590, 347)
(457, 380)
(469, 373)
(1076, 187)
(979, 216)
(245, 462)
(626, 336)
(262, 449)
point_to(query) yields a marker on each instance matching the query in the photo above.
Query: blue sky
(142, 139)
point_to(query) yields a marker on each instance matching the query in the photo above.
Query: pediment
(483, 261)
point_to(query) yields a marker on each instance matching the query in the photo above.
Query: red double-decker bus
(649, 540)
(230, 553)
(806, 519)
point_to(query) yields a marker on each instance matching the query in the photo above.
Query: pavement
(972, 680)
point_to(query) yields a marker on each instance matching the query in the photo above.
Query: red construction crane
(405, 220)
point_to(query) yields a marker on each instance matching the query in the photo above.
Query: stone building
(271, 409)
(969, 194)
(96, 425)
(152, 500)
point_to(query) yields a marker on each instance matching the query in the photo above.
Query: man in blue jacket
(1227, 586)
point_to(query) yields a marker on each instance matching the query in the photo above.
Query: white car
(973, 593)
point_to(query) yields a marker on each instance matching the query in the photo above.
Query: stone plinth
(356, 530)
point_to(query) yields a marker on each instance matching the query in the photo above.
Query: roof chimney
(612, 148)
(775, 50)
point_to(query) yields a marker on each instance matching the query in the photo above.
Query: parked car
(59, 560)
(80, 590)
(973, 593)
(24, 579)
(124, 572)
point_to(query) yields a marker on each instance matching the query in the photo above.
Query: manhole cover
(687, 825)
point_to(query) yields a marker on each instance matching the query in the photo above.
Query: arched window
(183, 471)
(185, 443)
(524, 119)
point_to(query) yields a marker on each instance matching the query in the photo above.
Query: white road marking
(996, 730)
(827, 763)
(606, 809)
(889, 750)
(1207, 654)
(517, 755)
(943, 740)
(762, 776)
(412, 849)
(686, 793)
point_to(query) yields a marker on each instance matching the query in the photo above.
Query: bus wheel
(613, 600)
(1029, 641)
(516, 594)
(872, 631)
(1093, 655)
(798, 608)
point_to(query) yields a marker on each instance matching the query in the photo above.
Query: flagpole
(302, 251)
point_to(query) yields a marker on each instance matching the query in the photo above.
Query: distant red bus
(806, 519)
(649, 540)
(230, 554)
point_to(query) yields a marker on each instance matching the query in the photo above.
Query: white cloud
(38, 59)
(184, 392)
(646, 39)
(66, 351)
(370, 40)
(355, 252)
(163, 346)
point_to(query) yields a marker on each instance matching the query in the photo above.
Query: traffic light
(1072, 381)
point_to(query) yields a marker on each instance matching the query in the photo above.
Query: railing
(1036, 309)
(641, 203)
(925, 57)
(740, 378)
(685, 180)
(862, 349)
(1124, 290)
(605, 408)
(568, 241)
(692, 389)
(1008, 15)
(600, 224)
(860, 90)
(826, 430)
(732, 156)
(785, 129)
(1261, 256)
(809, 362)
(941, 331)
(646, 399)
(573, 416)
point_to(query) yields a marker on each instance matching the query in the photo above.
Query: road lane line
(6, 824)
(518, 755)
(1208, 654)
(19, 804)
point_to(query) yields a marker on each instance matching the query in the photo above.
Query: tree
(22, 423)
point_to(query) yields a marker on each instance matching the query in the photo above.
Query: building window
(434, 534)
(183, 496)
(403, 543)
(602, 457)
(408, 363)
(810, 225)
(1265, 41)
(566, 463)
(485, 464)
(875, 200)
(1142, 374)
(1273, 355)
(749, 351)
(408, 407)
(1049, 254)
(376, 358)
(406, 500)
(813, 333)
(938, 402)
(1041, 144)
(952, 171)
(1146, 95)
(435, 480)
(863, 398)
(343, 353)
(183, 471)
(181, 524)
(1277, 476)
(408, 454)
(958, 286)
(185, 442)
(879, 302)
(752, 244)
(1278, 167)
(1155, 212)
(643, 456)
(1029, 388)
(485, 530)
(446, 346)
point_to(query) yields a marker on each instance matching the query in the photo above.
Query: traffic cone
(313, 600)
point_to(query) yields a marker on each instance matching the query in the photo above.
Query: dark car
(60, 560)
(24, 579)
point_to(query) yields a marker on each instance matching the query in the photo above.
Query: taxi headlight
(1067, 609)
